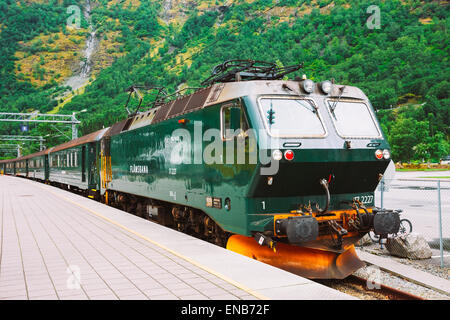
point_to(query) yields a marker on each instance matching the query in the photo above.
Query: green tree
(405, 134)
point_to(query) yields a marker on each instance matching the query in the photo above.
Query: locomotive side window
(291, 117)
(353, 119)
(232, 118)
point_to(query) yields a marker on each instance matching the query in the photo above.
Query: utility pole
(74, 125)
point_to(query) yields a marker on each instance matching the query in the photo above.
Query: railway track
(360, 288)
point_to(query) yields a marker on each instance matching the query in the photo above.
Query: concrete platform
(58, 245)
(412, 274)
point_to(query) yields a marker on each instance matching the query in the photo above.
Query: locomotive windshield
(353, 119)
(287, 117)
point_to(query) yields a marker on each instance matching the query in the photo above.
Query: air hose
(324, 185)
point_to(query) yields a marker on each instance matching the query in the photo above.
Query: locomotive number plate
(364, 199)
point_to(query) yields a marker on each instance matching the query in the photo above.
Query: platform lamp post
(74, 125)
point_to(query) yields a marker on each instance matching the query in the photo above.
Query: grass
(423, 169)
(443, 177)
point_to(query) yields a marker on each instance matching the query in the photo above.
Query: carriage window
(287, 117)
(233, 121)
(353, 119)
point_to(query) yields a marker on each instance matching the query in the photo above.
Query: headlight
(277, 155)
(308, 85)
(386, 154)
(326, 86)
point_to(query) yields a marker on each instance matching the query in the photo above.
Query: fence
(425, 201)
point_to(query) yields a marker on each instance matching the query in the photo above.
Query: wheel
(375, 238)
(405, 226)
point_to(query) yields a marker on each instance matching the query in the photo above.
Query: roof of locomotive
(222, 92)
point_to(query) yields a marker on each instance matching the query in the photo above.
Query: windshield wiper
(314, 109)
(332, 108)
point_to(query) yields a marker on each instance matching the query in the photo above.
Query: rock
(411, 246)
(364, 241)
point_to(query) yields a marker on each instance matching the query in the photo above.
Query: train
(280, 170)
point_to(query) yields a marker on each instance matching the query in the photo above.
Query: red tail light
(289, 155)
(379, 154)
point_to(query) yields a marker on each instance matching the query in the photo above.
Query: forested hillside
(402, 65)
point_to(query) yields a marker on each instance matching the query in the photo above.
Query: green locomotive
(283, 171)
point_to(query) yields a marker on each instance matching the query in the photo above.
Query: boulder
(412, 246)
(364, 241)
